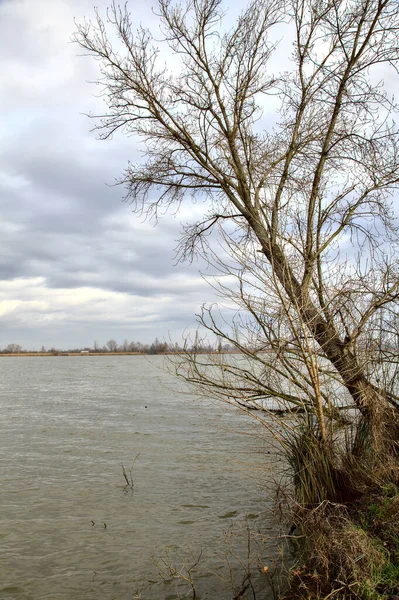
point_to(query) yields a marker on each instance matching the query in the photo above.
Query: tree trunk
(325, 334)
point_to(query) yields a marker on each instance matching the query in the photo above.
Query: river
(70, 527)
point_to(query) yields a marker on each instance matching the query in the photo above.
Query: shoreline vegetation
(48, 354)
(61, 353)
(113, 348)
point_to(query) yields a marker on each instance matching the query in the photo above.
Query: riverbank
(49, 354)
(61, 353)
(348, 552)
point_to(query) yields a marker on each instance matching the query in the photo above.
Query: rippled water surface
(70, 530)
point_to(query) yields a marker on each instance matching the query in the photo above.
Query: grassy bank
(348, 552)
(345, 511)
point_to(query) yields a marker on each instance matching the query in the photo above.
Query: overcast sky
(76, 264)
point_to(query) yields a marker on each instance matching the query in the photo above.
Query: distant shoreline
(83, 354)
(52, 354)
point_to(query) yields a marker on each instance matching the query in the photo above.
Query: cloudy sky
(76, 264)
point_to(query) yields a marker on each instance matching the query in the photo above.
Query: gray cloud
(75, 263)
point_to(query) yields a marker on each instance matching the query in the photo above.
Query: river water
(71, 530)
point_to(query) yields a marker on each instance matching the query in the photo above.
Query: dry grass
(335, 556)
(346, 512)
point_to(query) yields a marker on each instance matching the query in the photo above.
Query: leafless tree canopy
(303, 205)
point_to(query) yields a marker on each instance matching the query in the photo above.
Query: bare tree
(303, 207)
(14, 349)
(112, 345)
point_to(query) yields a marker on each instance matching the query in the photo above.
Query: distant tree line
(112, 346)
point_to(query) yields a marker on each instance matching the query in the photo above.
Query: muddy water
(71, 530)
